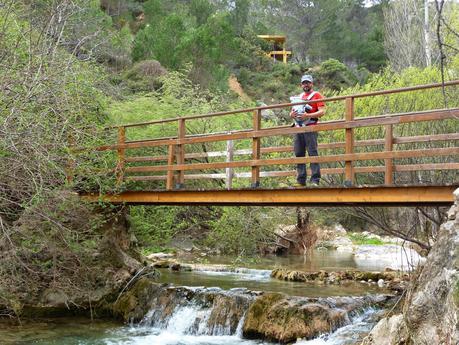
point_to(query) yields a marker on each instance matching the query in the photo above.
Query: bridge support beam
(353, 196)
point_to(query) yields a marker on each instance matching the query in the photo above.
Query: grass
(360, 239)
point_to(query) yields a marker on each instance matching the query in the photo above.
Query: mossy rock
(257, 312)
(333, 277)
(132, 304)
(276, 318)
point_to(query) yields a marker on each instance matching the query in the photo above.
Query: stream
(83, 332)
(189, 323)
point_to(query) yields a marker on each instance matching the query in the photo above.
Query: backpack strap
(312, 94)
(311, 121)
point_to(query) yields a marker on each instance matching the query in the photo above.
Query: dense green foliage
(219, 38)
(51, 96)
(175, 33)
(318, 30)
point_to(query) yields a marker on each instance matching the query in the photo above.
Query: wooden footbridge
(403, 158)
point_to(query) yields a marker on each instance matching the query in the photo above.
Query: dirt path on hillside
(237, 88)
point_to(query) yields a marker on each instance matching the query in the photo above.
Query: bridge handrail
(387, 119)
(176, 154)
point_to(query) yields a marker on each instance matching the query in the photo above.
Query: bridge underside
(326, 196)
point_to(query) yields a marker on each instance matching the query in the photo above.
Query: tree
(408, 34)
(240, 15)
(201, 10)
(447, 33)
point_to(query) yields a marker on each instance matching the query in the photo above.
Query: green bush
(335, 75)
(144, 76)
(240, 231)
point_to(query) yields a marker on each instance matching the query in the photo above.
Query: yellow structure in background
(278, 53)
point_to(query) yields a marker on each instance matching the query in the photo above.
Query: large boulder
(430, 311)
(388, 331)
(275, 318)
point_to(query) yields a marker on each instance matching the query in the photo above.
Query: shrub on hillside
(145, 76)
(335, 75)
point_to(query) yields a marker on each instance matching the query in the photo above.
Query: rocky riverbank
(72, 263)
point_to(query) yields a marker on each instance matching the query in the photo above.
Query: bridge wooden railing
(174, 165)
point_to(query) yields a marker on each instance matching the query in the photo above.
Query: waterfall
(210, 316)
(352, 333)
(188, 326)
(199, 311)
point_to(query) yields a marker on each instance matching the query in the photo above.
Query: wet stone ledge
(392, 280)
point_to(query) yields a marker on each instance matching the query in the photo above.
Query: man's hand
(300, 117)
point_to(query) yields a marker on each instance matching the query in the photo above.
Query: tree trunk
(306, 235)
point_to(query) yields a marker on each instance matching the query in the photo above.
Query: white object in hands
(300, 107)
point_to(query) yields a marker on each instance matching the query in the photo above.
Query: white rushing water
(346, 335)
(188, 326)
(241, 273)
(156, 337)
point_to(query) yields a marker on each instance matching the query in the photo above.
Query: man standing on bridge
(308, 140)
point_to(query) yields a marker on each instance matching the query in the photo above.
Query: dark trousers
(306, 141)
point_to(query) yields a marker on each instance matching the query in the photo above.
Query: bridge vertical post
(170, 173)
(256, 146)
(389, 164)
(121, 155)
(349, 143)
(229, 158)
(181, 153)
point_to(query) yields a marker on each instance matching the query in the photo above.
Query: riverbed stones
(159, 256)
(271, 316)
(334, 238)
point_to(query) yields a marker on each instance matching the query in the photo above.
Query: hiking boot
(299, 185)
